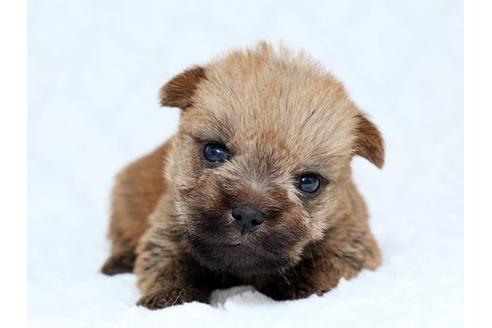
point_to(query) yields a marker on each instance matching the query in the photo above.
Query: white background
(94, 71)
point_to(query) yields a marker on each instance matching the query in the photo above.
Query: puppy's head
(262, 157)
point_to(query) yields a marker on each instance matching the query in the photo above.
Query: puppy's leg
(123, 244)
(124, 232)
(119, 262)
(301, 281)
(298, 282)
(322, 268)
(137, 190)
(167, 274)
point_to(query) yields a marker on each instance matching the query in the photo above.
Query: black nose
(247, 218)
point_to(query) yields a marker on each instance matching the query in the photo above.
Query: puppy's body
(280, 118)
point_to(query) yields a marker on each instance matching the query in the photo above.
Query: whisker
(285, 278)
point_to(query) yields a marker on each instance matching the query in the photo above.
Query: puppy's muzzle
(246, 218)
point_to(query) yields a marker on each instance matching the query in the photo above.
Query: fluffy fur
(280, 115)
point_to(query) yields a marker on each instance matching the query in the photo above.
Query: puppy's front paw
(281, 291)
(164, 298)
(119, 263)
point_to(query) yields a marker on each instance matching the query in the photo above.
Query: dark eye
(215, 152)
(309, 183)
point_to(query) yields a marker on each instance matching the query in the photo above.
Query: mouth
(233, 245)
(239, 258)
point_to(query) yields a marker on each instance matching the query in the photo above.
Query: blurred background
(95, 68)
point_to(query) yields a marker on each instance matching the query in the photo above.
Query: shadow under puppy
(255, 187)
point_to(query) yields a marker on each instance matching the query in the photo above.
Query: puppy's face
(262, 156)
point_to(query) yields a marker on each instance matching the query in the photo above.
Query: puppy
(255, 188)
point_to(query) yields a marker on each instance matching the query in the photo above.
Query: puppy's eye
(309, 183)
(215, 153)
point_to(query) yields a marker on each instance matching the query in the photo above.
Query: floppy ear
(369, 142)
(178, 92)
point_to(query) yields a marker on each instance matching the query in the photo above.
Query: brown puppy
(255, 188)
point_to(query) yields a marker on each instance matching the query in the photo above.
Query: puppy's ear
(369, 142)
(178, 92)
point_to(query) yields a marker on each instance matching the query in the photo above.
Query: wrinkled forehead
(284, 116)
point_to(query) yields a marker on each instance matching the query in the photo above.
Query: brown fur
(280, 115)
